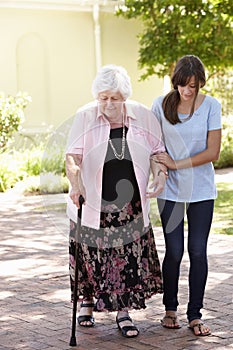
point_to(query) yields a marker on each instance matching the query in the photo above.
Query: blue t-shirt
(184, 140)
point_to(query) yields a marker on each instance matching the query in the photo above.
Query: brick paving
(35, 308)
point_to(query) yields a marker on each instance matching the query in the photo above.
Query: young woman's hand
(165, 159)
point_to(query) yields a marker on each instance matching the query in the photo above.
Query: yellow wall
(51, 55)
(120, 46)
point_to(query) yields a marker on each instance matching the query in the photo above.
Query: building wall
(120, 46)
(51, 55)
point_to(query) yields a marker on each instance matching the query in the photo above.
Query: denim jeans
(199, 219)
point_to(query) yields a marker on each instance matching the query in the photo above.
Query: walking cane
(75, 299)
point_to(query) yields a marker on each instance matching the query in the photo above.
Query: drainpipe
(98, 58)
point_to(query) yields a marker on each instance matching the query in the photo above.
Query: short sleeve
(157, 108)
(214, 117)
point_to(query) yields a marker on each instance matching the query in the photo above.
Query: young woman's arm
(210, 154)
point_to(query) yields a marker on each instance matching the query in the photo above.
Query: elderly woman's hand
(75, 196)
(73, 173)
(78, 190)
(157, 184)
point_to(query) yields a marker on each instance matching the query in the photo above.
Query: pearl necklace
(122, 154)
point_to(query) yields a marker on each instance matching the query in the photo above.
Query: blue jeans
(199, 218)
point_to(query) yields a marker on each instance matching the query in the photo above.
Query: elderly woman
(108, 159)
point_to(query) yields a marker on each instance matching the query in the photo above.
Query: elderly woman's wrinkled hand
(157, 185)
(75, 195)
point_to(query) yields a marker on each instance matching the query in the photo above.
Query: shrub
(11, 115)
(226, 156)
(19, 165)
(53, 183)
(47, 183)
(11, 170)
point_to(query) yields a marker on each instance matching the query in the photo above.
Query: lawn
(223, 217)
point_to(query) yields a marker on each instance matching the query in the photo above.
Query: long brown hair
(187, 67)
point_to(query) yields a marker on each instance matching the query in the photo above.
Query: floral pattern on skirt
(118, 264)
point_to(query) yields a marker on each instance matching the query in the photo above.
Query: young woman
(191, 126)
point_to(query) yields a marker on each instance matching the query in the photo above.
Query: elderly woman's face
(111, 104)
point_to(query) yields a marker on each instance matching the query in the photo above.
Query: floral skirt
(118, 264)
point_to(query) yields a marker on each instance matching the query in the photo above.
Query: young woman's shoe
(199, 328)
(172, 324)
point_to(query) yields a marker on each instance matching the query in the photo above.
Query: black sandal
(86, 318)
(124, 330)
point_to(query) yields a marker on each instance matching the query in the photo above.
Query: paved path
(35, 311)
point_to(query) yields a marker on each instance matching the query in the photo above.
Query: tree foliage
(173, 28)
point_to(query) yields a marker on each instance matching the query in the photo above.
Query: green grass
(57, 207)
(154, 213)
(223, 218)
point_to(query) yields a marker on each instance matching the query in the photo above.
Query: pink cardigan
(89, 137)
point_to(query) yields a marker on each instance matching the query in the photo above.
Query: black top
(119, 184)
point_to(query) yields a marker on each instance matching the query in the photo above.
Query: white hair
(113, 78)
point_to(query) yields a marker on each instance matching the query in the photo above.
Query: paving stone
(36, 312)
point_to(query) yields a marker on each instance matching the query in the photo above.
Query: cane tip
(73, 341)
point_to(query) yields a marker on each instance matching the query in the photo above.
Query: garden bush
(226, 156)
(46, 183)
(19, 165)
(11, 115)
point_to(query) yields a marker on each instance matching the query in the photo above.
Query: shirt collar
(128, 108)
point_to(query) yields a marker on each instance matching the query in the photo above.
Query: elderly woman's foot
(125, 325)
(85, 318)
(199, 328)
(170, 320)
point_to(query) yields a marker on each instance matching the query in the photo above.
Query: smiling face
(111, 105)
(189, 91)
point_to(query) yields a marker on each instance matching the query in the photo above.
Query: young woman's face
(111, 104)
(188, 92)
